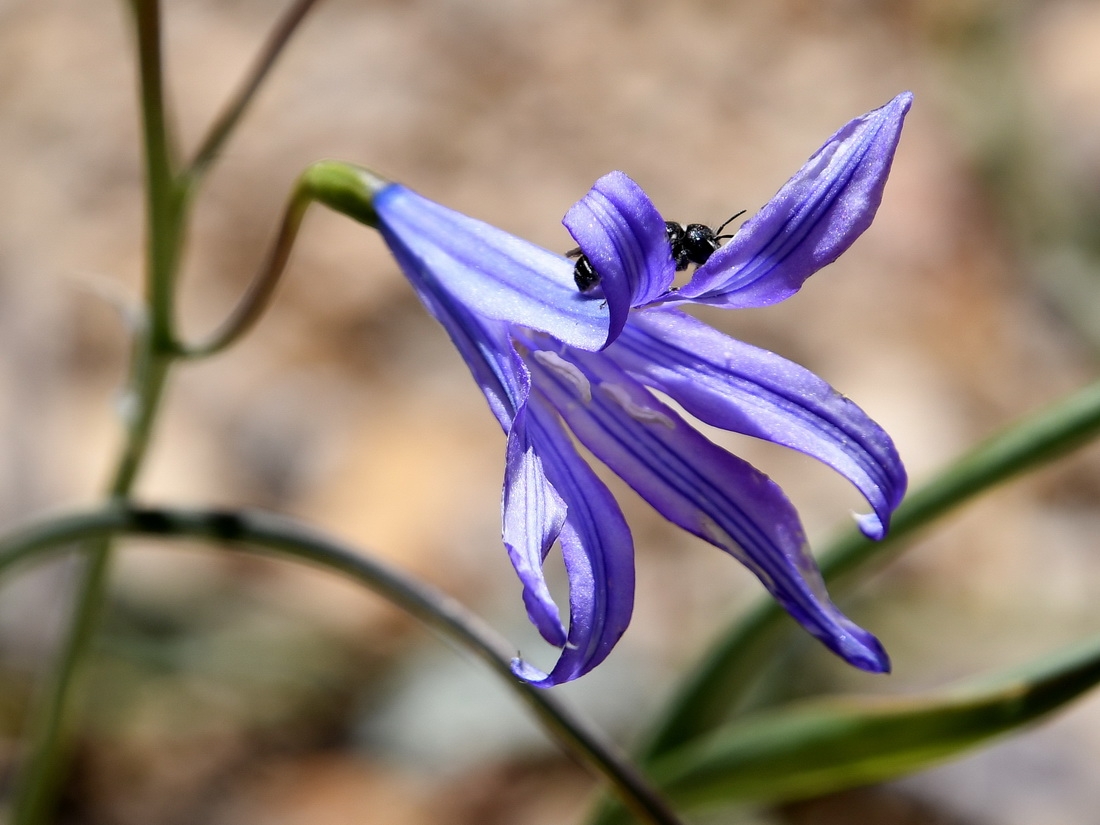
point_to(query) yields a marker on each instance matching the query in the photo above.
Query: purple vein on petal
(710, 493)
(811, 221)
(623, 235)
(733, 385)
(598, 552)
(501, 276)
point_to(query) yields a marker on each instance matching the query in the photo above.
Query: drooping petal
(738, 387)
(598, 552)
(485, 344)
(494, 273)
(706, 491)
(545, 481)
(623, 236)
(533, 514)
(814, 218)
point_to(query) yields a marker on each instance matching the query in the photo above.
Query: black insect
(584, 276)
(691, 244)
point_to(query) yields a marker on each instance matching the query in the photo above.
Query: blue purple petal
(705, 490)
(814, 218)
(623, 236)
(496, 295)
(533, 514)
(730, 384)
(484, 344)
(498, 275)
(598, 552)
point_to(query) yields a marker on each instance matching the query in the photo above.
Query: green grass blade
(824, 745)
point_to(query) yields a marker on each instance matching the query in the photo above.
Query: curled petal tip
(545, 618)
(529, 673)
(870, 525)
(863, 650)
(623, 236)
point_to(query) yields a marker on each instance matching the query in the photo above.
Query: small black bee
(691, 244)
(584, 276)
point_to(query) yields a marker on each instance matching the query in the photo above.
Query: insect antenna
(718, 236)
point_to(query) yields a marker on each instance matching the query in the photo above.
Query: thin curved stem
(251, 529)
(263, 286)
(227, 121)
(346, 188)
(730, 669)
(259, 292)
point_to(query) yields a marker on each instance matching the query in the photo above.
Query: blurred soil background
(234, 690)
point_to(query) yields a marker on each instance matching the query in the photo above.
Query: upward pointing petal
(623, 236)
(814, 218)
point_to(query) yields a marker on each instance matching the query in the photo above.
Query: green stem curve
(254, 529)
(343, 187)
(235, 109)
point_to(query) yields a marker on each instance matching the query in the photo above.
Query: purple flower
(551, 360)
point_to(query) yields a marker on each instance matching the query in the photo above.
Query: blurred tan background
(235, 690)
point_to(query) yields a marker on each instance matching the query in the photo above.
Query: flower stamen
(567, 371)
(639, 412)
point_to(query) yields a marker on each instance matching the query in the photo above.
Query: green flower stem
(168, 195)
(37, 781)
(348, 189)
(260, 291)
(726, 674)
(36, 785)
(250, 529)
(225, 124)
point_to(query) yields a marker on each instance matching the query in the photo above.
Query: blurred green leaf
(824, 745)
